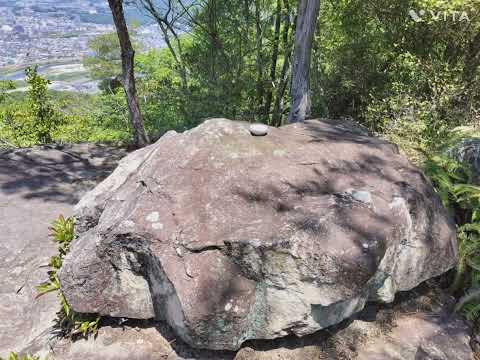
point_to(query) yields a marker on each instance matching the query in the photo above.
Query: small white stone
(258, 129)
(153, 217)
(228, 307)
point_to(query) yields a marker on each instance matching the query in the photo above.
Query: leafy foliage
(447, 175)
(472, 311)
(15, 356)
(33, 120)
(453, 184)
(63, 232)
(84, 118)
(410, 82)
(4, 87)
(72, 323)
(105, 62)
(45, 119)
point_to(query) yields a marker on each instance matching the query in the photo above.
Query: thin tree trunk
(259, 60)
(166, 27)
(273, 69)
(472, 60)
(212, 25)
(277, 116)
(176, 57)
(246, 14)
(128, 56)
(306, 23)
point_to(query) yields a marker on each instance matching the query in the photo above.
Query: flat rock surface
(36, 186)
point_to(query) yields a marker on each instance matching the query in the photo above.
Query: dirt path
(36, 186)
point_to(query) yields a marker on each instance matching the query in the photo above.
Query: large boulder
(230, 237)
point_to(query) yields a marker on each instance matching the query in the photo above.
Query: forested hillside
(370, 61)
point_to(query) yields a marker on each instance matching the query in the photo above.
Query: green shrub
(447, 174)
(6, 86)
(84, 118)
(32, 120)
(45, 118)
(16, 124)
(72, 323)
(422, 106)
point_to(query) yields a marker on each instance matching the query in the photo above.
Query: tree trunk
(128, 77)
(273, 68)
(182, 70)
(306, 23)
(472, 60)
(259, 59)
(282, 86)
(167, 28)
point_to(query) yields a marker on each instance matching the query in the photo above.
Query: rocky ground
(418, 326)
(36, 185)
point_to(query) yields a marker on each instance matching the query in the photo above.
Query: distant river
(16, 76)
(64, 77)
(42, 69)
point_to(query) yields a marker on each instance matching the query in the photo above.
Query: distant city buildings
(38, 31)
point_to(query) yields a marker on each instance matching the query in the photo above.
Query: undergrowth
(70, 322)
(15, 356)
(453, 183)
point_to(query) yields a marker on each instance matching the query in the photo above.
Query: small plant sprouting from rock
(15, 356)
(71, 323)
